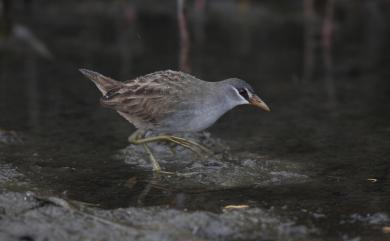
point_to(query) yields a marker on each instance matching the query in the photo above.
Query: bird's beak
(256, 101)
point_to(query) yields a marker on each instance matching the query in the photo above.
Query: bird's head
(240, 92)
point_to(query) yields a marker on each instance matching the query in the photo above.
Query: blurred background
(323, 67)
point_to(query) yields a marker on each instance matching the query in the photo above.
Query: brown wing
(149, 98)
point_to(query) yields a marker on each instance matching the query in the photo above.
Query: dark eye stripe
(244, 93)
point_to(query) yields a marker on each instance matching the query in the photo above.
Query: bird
(171, 101)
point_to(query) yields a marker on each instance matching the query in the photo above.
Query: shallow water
(320, 158)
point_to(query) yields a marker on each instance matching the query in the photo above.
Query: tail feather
(103, 83)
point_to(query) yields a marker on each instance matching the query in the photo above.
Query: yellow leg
(188, 142)
(156, 166)
(133, 140)
(137, 138)
(194, 147)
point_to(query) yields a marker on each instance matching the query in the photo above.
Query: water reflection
(329, 121)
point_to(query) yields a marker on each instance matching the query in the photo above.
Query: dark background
(322, 67)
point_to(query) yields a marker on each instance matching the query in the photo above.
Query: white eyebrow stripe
(248, 92)
(245, 101)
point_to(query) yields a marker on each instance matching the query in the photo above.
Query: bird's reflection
(150, 183)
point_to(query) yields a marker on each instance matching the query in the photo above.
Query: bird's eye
(244, 93)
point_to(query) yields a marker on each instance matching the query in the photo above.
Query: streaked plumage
(164, 100)
(172, 101)
(147, 101)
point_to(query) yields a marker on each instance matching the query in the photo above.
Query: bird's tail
(103, 83)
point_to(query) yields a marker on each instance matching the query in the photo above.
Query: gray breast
(201, 109)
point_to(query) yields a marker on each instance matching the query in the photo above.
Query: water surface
(332, 132)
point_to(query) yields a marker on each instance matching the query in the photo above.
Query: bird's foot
(198, 149)
(185, 142)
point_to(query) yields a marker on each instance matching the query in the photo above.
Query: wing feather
(145, 101)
